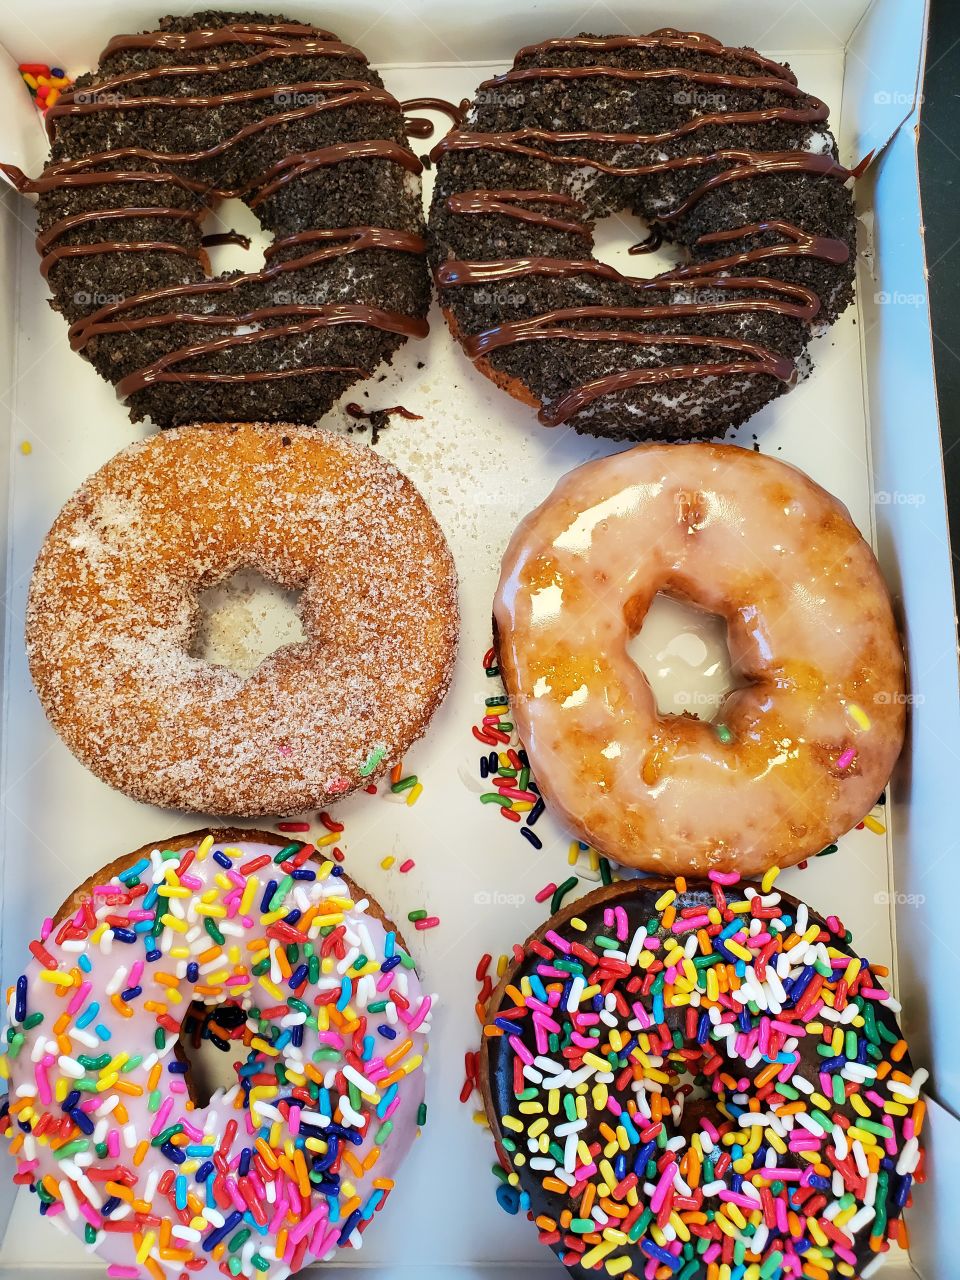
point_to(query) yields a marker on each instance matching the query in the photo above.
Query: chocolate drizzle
(555, 211)
(268, 41)
(419, 126)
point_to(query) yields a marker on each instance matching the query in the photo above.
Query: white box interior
(864, 425)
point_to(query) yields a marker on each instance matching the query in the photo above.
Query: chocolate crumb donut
(113, 610)
(283, 116)
(726, 158)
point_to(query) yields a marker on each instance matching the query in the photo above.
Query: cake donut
(113, 609)
(728, 160)
(701, 1081)
(286, 118)
(294, 1160)
(799, 753)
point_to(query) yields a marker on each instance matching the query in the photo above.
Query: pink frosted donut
(276, 955)
(801, 752)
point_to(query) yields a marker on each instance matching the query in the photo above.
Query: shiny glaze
(420, 126)
(810, 631)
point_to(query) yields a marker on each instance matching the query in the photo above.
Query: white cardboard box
(864, 425)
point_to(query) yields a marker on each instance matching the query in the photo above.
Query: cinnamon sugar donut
(727, 158)
(112, 610)
(801, 751)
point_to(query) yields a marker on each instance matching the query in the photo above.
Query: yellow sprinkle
(387, 863)
(665, 899)
(858, 715)
(573, 853)
(578, 924)
(511, 1122)
(180, 926)
(26, 447)
(331, 838)
(414, 794)
(206, 844)
(873, 825)
(617, 1266)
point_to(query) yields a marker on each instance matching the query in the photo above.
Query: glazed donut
(801, 752)
(112, 611)
(292, 1161)
(699, 1082)
(726, 158)
(294, 123)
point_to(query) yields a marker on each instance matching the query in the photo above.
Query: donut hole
(232, 219)
(682, 651)
(210, 1044)
(244, 619)
(617, 234)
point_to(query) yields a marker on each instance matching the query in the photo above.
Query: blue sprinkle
(506, 1025)
(109, 1205)
(173, 1154)
(85, 963)
(222, 858)
(153, 956)
(20, 1010)
(348, 1227)
(180, 1189)
(103, 1032)
(71, 1100)
(508, 1198)
(387, 1032)
(246, 1155)
(265, 901)
(533, 817)
(88, 1015)
(531, 836)
(204, 1172)
(299, 976)
(132, 874)
(654, 1251)
(221, 1233)
(304, 873)
(124, 935)
(193, 971)
(178, 1068)
(131, 993)
(81, 1120)
(390, 945)
(389, 964)
(370, 1208)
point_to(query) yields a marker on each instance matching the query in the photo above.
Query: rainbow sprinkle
(505, 766)
(253, 947)
(45, 83)
(702, 1083)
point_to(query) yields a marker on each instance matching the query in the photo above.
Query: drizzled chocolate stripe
(346, 240)
(118, 246)
(510, 204)
(418, 127)
(565, 408)
(291, 36)
(662, 38)
(162, 370)
(264, 184)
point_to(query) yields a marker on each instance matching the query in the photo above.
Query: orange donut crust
(113, 608)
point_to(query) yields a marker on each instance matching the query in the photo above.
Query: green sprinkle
(283, 888)
(404, 784)
(260, 1262)
(160, 1038)
(215, 933)
(166, 1134)
(494, 797)
(421, 1110)
(90, 1233)
(383, 1133)
(606, 875)
(33, 1020)
(560, 893)
(420, 914)
(288, 851)
(723, 733)
(372, 760)
(239, 1240)
(71, 1149)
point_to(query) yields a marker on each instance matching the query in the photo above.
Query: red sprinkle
(293, 826)
(430, 922)
(407, 865)
(546, 892)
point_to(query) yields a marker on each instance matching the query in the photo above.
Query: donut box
(864, 425)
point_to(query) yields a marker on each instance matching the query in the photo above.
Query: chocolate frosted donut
(726, 158)
(701, 1081)
(112, 613)
(288, 119)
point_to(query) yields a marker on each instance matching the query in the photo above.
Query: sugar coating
(112, 613)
